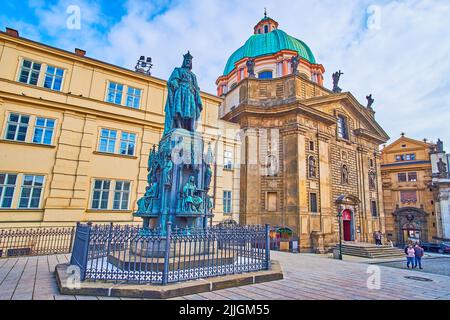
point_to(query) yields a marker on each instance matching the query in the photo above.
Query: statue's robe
(183, 98)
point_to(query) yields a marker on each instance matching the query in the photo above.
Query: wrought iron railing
(16, 242)
(132, 254)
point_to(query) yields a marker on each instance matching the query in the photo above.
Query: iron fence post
(72, 238)
(109, 240)
(86, 253)
(268, 246)
(165, 279)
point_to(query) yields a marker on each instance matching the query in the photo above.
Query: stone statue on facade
(251, 68)
(191, 202)
(439, 146)
(295, 61)
(208, 177)
(336, 77)
(370, 101)
(184, 104)
(442, 167)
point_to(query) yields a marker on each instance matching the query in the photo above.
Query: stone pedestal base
(157, 249)
(126, 260)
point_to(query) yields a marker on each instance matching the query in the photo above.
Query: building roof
(269, 43)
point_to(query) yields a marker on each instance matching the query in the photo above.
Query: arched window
(342, 128)
(312, 167)
(265, 75)
(372, 180)
(344, 174)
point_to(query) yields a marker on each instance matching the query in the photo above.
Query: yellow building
(407, 194)
(76, 134)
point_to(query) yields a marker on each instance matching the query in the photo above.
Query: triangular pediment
(405, 141)
(347, 103)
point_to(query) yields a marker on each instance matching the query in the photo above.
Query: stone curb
(147, 291)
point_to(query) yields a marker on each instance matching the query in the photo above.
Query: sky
(399, 51)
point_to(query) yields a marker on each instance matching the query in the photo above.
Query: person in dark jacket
(418, 252)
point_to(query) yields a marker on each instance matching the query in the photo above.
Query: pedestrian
(418, 254)
(378, 238)
(410, 255)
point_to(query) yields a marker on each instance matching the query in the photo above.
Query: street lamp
(144, 65)
(339, 215)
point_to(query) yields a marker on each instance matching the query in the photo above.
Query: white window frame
(18, 124)
(133, 94)
(45, 128)
(54, 76)
(6, 185)
(108, 139)
(30, 71)
(32, 187)
(227, 202)
(228, 160)
(115, 92)
(102, 191)
(128, 143)
(122, 191)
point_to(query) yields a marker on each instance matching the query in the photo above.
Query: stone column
(445, 213)
(326, 219)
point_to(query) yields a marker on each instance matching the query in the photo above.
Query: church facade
(309, 153)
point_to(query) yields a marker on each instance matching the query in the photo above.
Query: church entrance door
(347, 225)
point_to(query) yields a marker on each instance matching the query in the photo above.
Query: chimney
(12, 32)
(80, 52)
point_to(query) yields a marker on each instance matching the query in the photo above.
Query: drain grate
(418, 278)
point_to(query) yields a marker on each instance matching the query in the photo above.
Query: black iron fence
(132, 254)
(16, 242)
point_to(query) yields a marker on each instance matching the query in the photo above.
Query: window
(402, 177)
(370, 163)
(127, 144)
(311, 146)
(121, 195)
(107, 140)
(115, 91)
(412, 176)
(53, 78)
(29, 72)
(374, 209)
(228, 160)
(227, 202)
(7, 187)
(101, 194)
(313, 202)
(133, 97)
(43, 131)
(30, 196)
(312, 167)
(342, 127)
(405, 157)
(372, 180)
(265, 75)
(409, 176)
(266, 29)
(17, 127)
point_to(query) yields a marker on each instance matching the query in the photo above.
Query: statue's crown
(188, 56)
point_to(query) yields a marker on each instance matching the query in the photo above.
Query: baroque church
(310, 155)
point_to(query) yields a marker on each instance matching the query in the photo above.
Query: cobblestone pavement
(435, 265)
(307, 277)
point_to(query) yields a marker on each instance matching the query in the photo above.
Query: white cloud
(404, 64)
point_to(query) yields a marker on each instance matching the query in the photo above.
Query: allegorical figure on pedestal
(146, 203)
(184, 104)
(191, 201)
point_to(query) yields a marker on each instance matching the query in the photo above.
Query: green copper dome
(269, 43)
